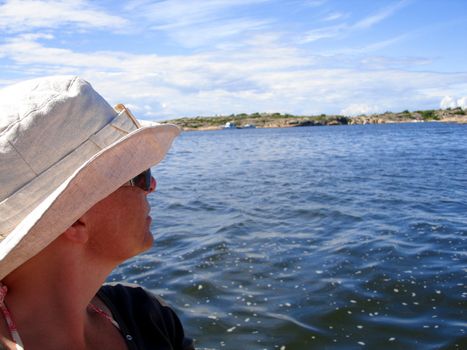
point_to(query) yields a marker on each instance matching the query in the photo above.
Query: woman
(73, 205)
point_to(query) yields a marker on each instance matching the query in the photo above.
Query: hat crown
(63, 148)
(41, 122)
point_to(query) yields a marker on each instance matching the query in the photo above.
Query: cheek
(130, 219)
(117, 224)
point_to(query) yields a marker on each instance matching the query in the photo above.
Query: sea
(331, 237)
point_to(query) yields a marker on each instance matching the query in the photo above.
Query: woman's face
(119, 225)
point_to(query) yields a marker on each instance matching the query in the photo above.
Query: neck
(50, 295)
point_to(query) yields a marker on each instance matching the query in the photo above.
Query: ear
(77, 232)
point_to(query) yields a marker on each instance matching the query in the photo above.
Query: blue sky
(177, 58)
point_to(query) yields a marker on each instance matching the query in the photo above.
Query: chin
(148, 241)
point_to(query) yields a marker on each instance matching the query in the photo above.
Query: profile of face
(119, 226)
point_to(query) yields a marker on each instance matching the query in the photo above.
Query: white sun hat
(63, 148)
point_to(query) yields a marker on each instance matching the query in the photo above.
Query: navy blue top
(145, 321)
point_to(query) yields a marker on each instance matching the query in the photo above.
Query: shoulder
(130, 293)
(135, 298)
(144, 314)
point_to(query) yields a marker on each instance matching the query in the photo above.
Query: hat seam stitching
(37, 108)
(90, 138)
(37, 174)
(16, 256)
(94, 142)
(121, 129)
(21, 156)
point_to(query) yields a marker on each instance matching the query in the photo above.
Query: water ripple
(313, 238)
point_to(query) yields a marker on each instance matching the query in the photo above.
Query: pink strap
(14, 330)
(9, 320)
(104, 314)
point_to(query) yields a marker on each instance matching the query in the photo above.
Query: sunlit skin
(121, 224)
(50, 293)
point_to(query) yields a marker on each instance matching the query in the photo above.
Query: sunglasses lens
(143, 180)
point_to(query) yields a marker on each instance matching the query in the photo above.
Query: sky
(185, 58)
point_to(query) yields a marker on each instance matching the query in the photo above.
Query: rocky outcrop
(278, 120)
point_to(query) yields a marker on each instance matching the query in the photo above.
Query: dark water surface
(344, 237)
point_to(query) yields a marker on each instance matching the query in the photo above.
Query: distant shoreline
(278, 120)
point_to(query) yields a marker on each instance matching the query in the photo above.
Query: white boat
(230, 125)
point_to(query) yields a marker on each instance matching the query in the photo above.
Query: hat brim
(91, 182)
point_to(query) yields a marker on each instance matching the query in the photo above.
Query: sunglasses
(142, 180)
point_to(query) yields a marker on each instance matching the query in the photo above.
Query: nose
(153, 185)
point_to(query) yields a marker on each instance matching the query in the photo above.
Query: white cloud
(180, 13)
(265, 75)
(19, 49)
(200, 22)
(344, 29)
(324, 33)
(359, 108)
(448, 102)
(381, 44)
(205, 34)
(451, 102)
(25, 15)
(375, 18)
(462, 102)
(333, 16)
